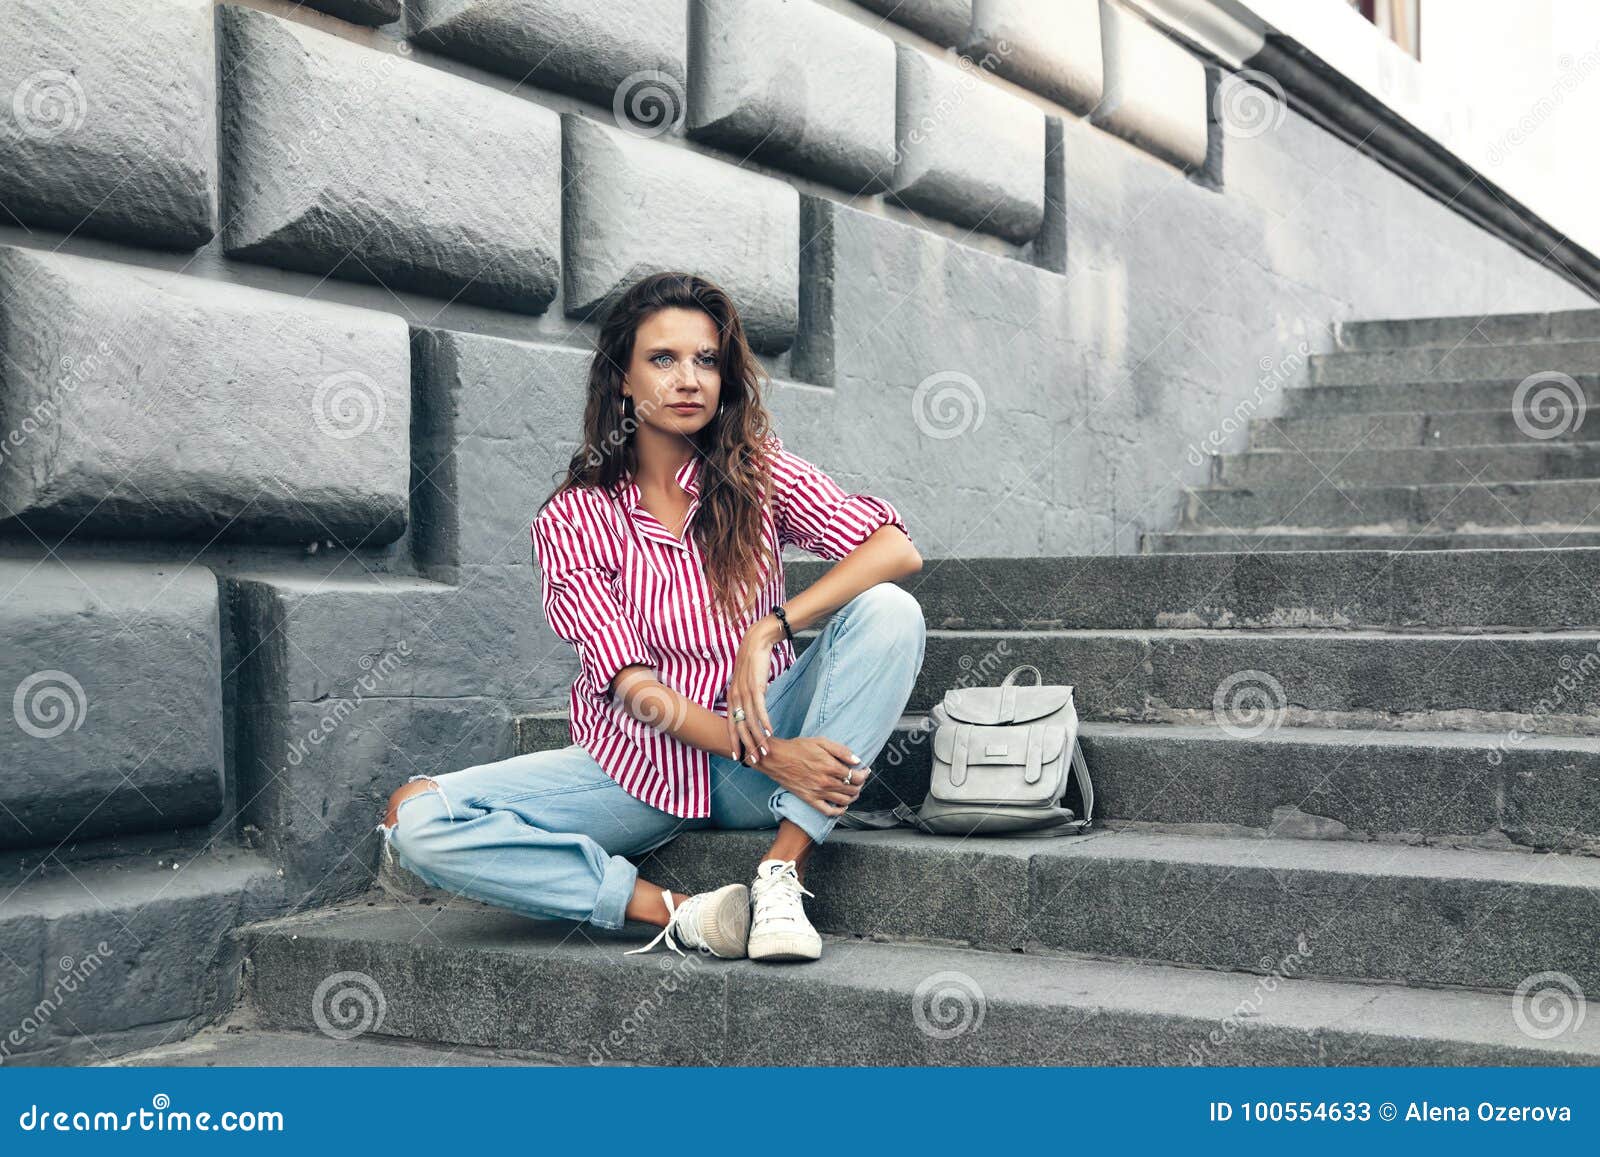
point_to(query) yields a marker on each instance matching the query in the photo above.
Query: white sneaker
(779, 930)
(714, 922)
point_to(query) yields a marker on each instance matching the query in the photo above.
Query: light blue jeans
(545, 834)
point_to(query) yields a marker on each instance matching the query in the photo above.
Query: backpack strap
(903, 815)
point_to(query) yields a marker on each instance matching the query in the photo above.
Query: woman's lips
(686, 407)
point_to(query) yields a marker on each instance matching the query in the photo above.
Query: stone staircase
(1350, 801)
(1426, 434)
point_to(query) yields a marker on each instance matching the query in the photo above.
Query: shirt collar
(687, 476)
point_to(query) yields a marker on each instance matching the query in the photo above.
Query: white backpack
(1002, 759)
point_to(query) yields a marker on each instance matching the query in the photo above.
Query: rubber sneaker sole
(726, 923)
(779, 946)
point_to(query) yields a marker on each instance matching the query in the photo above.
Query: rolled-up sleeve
(815, 513)
(580, 602)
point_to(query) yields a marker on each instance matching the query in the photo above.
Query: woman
(660, 554)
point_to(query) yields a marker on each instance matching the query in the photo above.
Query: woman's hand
(814, 767)
(747, 688)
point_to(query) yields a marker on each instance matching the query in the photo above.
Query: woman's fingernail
(763, 751)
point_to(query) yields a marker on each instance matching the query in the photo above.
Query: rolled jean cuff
(616, 889)
(788, 806)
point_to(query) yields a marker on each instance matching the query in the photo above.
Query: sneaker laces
(681, 922)
(779, 887)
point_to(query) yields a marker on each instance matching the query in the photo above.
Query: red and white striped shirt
(622, 590)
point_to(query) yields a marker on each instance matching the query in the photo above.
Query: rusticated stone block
(343, 160)
(611, 52)
(108, 124)
(1155, 93)
(969, 152)
(797, 85)
(140, 403)
(113, 675)
(1053, 49)
(635, 206)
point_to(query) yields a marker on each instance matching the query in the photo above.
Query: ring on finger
(738, 714)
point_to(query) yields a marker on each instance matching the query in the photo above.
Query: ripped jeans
(547, 833)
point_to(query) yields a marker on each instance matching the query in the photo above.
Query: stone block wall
(295, 303)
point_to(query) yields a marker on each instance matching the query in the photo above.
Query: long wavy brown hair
(735, 476)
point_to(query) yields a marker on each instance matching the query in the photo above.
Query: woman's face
(673, 377)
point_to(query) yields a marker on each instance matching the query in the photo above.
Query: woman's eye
(708, 359)
(662, 360)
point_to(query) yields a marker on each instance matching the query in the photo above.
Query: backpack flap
(992, 706)
(1020, 764)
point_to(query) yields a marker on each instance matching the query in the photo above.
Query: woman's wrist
(769, 631)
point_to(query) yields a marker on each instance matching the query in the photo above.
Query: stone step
(1403, 430)
(1376, 679)
(1252, 541)
(106, 957)
(1466, 363)
(1529, 462)
(1442, 398)
(1352, 911)
(1488, 789)
(1494, 329)
(238, 1046)
(1493, 588)
(1305, 782)
(461, 973)
(1554, 506)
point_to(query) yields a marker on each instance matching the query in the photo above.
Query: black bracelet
(784, 619)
